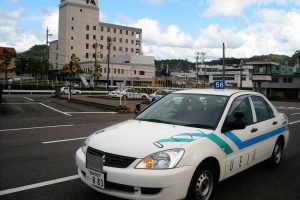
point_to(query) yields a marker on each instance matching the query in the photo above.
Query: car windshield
(194, 110)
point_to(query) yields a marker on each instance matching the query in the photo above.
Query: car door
(243, 154)
(267, 126)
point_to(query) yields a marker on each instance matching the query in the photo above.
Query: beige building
(80, 31)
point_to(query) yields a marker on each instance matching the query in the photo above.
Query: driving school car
(183, 145)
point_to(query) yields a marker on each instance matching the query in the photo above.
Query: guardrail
(31, 92)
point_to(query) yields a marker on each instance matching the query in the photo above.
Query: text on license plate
(95, 178)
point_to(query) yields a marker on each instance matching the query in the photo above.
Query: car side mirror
(137, 108)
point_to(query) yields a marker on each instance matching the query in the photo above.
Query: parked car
(183, 145)
(158, 94)
(132, 93)
(66, 90)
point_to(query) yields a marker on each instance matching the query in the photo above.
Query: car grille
(112, 160)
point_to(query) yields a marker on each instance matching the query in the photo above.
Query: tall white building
(80, 30)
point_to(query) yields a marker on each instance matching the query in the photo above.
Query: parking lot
(40, 134)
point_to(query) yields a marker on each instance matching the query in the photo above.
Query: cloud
(51, 21)
(102, 16)
(154, 1)
(13, 1)
(154, 34)
(235, 8)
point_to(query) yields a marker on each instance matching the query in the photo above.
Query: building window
(101, 38)
(126, 32)
(94, 55)
(115, 71)
(132, 50)
(101, 28)
(87, 55)
(275, 79)
(95, 28)
(134, 71)
(72, 28)
(120, 39)
(108, 29)
(114, 39)
(126, 49)
(119, 71)
(101, 55)
(126, 41)
(87, 46)
(87, 36)
(72, 38)
(288, 80)
(101, 46)
(80, 10)
(114, 48)
(104, 70)
(122, 71)
(121, 31)
(72, 18)
(57, 47)
(87, 27)
(94, 37)
(132, 41)
(142, 73)
(71, 47)
(120, 48)
(132, 33)
(115, 30)
(56, 56)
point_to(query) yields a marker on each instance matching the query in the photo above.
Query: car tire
(77, 93)
(124, 97)
(144, 97)
(62, 93)
(153, 99)
(203, 183)
(275, 160)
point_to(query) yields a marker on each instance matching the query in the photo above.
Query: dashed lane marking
(29, 99)
(91, 112)
(295, 122)
(295, 114)
(66, 140)
(37, 185)
(38, 127)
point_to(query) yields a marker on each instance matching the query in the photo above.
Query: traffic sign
(219, 85)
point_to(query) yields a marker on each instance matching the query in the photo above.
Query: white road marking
(66, 140)
(39, 127)
(91, 112)
(29, 99)
(37, 185)
(55, 110)
(295, 114)
(295, 122)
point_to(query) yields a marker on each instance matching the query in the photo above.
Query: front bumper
(146, 184)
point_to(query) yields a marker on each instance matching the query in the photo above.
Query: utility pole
(241, 74)
(108, 58)
(47, 48)
(223, 62)
(202, 58)
(197, 69)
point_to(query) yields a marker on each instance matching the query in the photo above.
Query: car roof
(225, 92)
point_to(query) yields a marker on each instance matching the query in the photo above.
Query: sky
(172, 29)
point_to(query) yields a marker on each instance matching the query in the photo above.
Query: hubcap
(277, 152)
(204, 186)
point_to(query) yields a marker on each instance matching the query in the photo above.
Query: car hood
(139, 139)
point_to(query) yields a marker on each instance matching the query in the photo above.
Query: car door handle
(275, 122)
(253, 130)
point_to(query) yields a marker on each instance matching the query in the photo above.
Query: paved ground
(35, 148)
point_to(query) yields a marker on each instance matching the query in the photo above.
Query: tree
(7, 63)
(96, 73)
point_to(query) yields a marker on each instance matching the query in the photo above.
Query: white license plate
(95, 178)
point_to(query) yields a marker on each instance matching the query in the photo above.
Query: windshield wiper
(199, 126)
(155, 120)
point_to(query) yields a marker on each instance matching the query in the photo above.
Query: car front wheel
(203, 182)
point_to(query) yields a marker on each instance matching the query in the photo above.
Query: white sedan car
(183, 145)
(159, 94)
(66, 90)
(132, 93)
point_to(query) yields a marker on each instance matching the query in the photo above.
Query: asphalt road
(37, 156)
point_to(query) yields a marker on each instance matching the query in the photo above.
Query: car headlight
(85, 144)
(162, 160)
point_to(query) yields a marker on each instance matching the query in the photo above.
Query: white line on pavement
(39, 127)
(295, 122)
(55, 110)
(295, 113)
(29, 99)
(91, 112)
(66, 140)
(37, 185)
